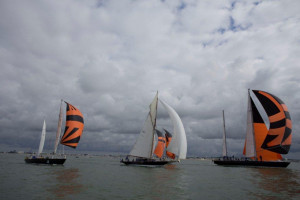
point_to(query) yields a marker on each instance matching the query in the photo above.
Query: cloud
(108, 58)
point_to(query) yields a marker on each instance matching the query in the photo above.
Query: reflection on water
(276, 182)
(163, 182)
(169, 181)
(67, 182)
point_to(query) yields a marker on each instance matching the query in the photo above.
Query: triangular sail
(74, 126)
(161, 144)
(224, 137)
(249, 148)
(58, 132)
(144, 144)
(42, 141)
(178, 145)
(279, 136)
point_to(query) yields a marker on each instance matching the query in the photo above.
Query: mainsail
(178, 146)
(58, 132)
(74, 126)
(269, 144)
(144, 144)
(42, 141)
(249, 148)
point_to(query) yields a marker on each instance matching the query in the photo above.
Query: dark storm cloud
(108, 58)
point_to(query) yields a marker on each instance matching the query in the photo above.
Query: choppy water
(105, 178)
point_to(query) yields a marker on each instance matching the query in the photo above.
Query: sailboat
(175, 145)
(263, 145)
(73, 129)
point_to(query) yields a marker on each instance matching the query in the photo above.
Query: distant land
(115, 155)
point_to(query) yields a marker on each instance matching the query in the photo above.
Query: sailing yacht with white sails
(175, 145)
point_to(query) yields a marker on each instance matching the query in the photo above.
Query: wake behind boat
(174, 146)
(73, 131)
(263, 146)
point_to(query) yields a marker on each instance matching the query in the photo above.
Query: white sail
(250, 140)
(58, 128)
(144, 144)
(178, 144)
(42, 141)
(224, 137)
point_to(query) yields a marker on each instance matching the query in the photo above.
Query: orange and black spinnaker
(74, 126)
(168, 136)
(161, 144)
(279, 136)
(260, 132)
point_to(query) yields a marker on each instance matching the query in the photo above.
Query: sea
(104, 177)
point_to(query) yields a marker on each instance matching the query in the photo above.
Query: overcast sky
(109, 57)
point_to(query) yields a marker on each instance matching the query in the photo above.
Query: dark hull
(252, 163)
(50, 161)
(145, 162)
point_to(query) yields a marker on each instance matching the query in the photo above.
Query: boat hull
(252, 163)
(50, 161)
(145, 162)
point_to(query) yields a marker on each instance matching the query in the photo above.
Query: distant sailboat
(263, 146)
(73, 130)
(144, 153)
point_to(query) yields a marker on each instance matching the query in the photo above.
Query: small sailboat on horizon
(174, 145)
(263, 146)
(73, 131)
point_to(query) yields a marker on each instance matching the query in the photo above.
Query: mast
(42, 141)
(58, 127)
(153, 112)
(224, 137)
(250, 137)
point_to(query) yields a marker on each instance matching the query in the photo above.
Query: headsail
(42, 141)
(74, 126)
(144, 144)
(168, 136)
(161, 144)
(178, 145)
(269, 144)
(279, 136)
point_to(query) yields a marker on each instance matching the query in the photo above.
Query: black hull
(50, 161)
(144, 162)
(252, 163)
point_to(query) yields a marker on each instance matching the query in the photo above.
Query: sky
(109, 57)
